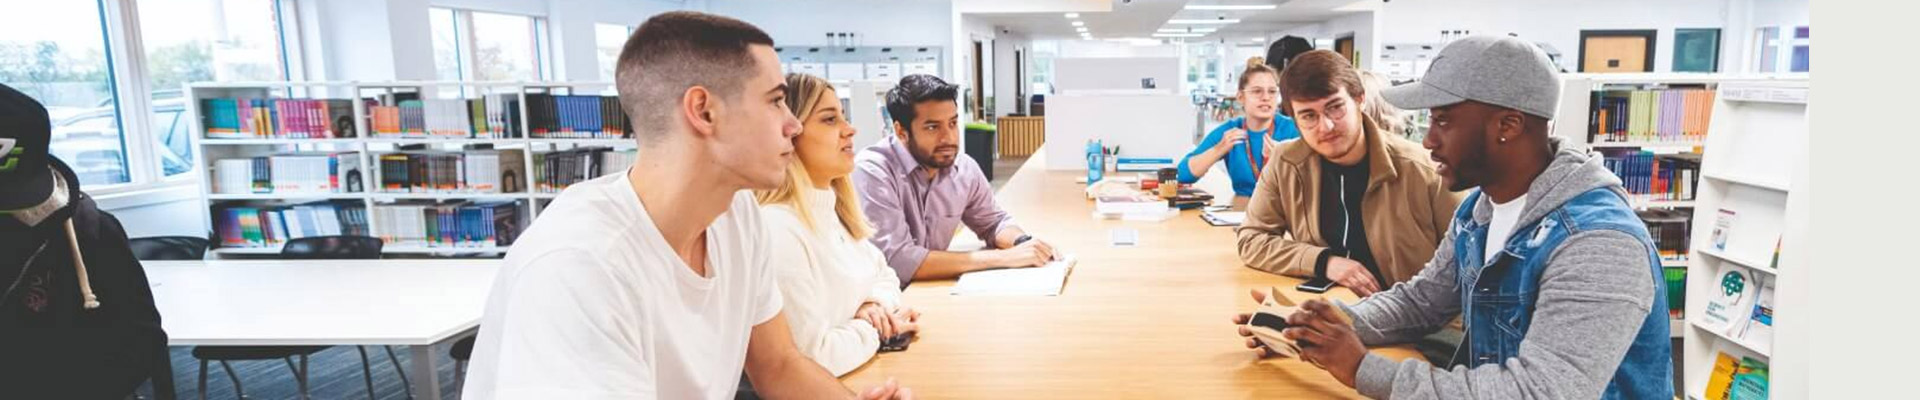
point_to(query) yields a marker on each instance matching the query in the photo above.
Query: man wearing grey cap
(1554, 276)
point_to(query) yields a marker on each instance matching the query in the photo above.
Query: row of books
(1745, 378)
(577, 117)
(470, 171)
(557, 170)
(1658, 115)
(460, 224)
(1655, 177)
(1676, 278)
(405, 115)
(1670, 229)
(251, 118)
(289, 173)
(244, 226)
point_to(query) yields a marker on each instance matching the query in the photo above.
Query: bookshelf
(502, 119)
(1751, 212)
(1621, 117)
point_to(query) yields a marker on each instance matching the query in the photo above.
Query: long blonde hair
(1391, 120)
(804, 92)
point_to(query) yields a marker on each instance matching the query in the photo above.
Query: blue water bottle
(1096, 161)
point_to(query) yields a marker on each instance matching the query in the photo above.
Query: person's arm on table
(1264, 244)
(838, 343)
(1593, 296)
(779, 371)
(1210, 150)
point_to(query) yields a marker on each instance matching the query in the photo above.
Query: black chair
(160, 248)
(461, 352)
(169, 248)
(310, 248)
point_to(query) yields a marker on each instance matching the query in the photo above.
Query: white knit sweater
(825, 275)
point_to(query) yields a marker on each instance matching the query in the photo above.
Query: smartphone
(1269, 321)
(897, 343)
(1315, 285)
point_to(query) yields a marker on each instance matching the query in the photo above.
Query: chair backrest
(332, 248)
(169, 248)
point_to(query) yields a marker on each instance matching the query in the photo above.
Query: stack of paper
(1045, 280)
(1224, 218)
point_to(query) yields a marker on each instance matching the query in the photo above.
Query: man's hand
(1240, 320)
(1233, 137)
(1033, 253)
(876, 316)
(889, 391)
(1325, 340)
(1351, 274)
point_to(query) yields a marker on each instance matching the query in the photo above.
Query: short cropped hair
(916, 89)
(1315, 75)
(674, 51)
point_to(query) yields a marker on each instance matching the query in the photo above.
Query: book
(1676, 279)
(1757, 330)
(1723, 228)
(1729, 306)
(555, 171)
(470, 171)
(253, 118)
(289, 174)
(1671, 230)
(246, 225)
(1661, 113)
(456, 224)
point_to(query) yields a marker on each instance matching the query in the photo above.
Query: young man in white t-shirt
(654, 283)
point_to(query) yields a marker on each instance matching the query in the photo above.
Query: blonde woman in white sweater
(841, 298)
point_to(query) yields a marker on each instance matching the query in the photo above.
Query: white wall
(572, 25)
(1160, 125)
(1554, 22)
(1110, 74)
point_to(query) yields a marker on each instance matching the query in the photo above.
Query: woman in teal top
(1242, 142)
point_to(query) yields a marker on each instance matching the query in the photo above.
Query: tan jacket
(1406, 210)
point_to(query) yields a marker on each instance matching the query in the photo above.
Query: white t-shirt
(825, 275)
(1505, 216)
(591, 303)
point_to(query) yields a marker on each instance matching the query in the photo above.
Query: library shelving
(1752, 211)
(1652, 130)
(280, 160)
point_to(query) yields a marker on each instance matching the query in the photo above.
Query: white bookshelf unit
(1575, 125)
(525, 191)
(1754, 168)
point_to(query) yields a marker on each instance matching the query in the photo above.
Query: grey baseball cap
(1499, 70)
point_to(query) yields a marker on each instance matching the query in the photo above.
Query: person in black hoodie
(77, 319)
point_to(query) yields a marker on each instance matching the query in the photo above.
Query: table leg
(426, 376)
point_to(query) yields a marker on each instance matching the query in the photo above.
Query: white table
(415, 303)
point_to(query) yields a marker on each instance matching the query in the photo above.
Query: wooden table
(1152, 321)
(415, 303)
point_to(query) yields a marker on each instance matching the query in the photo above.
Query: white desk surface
(319, 302)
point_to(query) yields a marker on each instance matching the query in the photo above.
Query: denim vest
(1497, 300)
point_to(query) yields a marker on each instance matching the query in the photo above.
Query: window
(1801, 49)
(203, 41)
(482, 46)
(57, 54)
(447, 60)
(610, 39)
(1768, 40)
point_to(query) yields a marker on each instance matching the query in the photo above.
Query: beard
(927, 158)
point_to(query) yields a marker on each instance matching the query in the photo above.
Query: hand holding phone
(896, 343)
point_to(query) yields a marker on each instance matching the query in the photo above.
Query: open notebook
(1037, 281)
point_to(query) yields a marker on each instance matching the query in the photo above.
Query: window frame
(467, 45)
(131, 83)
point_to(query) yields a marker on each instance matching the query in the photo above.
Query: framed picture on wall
(1696, 50)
